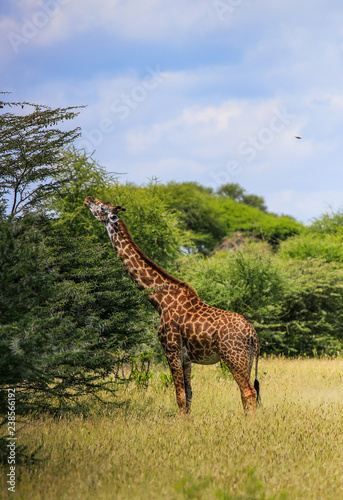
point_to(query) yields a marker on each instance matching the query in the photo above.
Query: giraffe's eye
(113, 218)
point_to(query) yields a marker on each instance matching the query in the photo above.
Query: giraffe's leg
(248, 392)
(175, 365)
(187, 372)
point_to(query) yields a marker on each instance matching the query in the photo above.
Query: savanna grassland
(292, 449)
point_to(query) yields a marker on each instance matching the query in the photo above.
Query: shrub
(328, 247)
(329, 222)
(312, 308)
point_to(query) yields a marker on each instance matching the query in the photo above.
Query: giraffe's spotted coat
(190, 330)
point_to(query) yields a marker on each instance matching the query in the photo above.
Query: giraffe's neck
(143, 271)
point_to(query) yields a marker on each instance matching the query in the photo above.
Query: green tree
(71, 314)
(199, 212)
(211, 217)
(323, 239)
(254, 222)
(231, 190)
(32, 161)
(236, 193)
(83, 176)
(24, 284)
(255, 201)
(312, 245)
(329, 223)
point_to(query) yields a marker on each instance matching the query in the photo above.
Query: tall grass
(292, 449)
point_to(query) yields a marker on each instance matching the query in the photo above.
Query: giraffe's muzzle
(88, 200)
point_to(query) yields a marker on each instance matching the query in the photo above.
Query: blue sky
(212, 91)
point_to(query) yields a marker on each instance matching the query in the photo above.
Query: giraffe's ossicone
(190, 331)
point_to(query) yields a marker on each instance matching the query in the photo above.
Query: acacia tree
(237, 193)
(32, 163)
(68, 318)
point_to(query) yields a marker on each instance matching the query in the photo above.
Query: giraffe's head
(102, 210)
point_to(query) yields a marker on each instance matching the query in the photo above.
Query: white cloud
(217, 131)
(149, 20)
(175, 23)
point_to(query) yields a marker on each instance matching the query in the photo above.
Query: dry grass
(293, 449)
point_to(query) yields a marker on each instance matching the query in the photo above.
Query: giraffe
(190, 330)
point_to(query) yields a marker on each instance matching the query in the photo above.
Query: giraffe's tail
(257, 383)
(255, 351)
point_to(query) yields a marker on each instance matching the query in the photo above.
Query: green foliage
(241, 281)
(326, 246)
(329, 222)
(210, 217)
(166, 380)
(323, 240)
(267, 227)
(141, 372)
(85, 176)
(199, 212)
(275, 230)
(23, 277)
(312, 307)
(60, 342)
(224, 371)
(255, 201)
(102, 297)
(231, 190)
(24, 283)
(236, 193)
